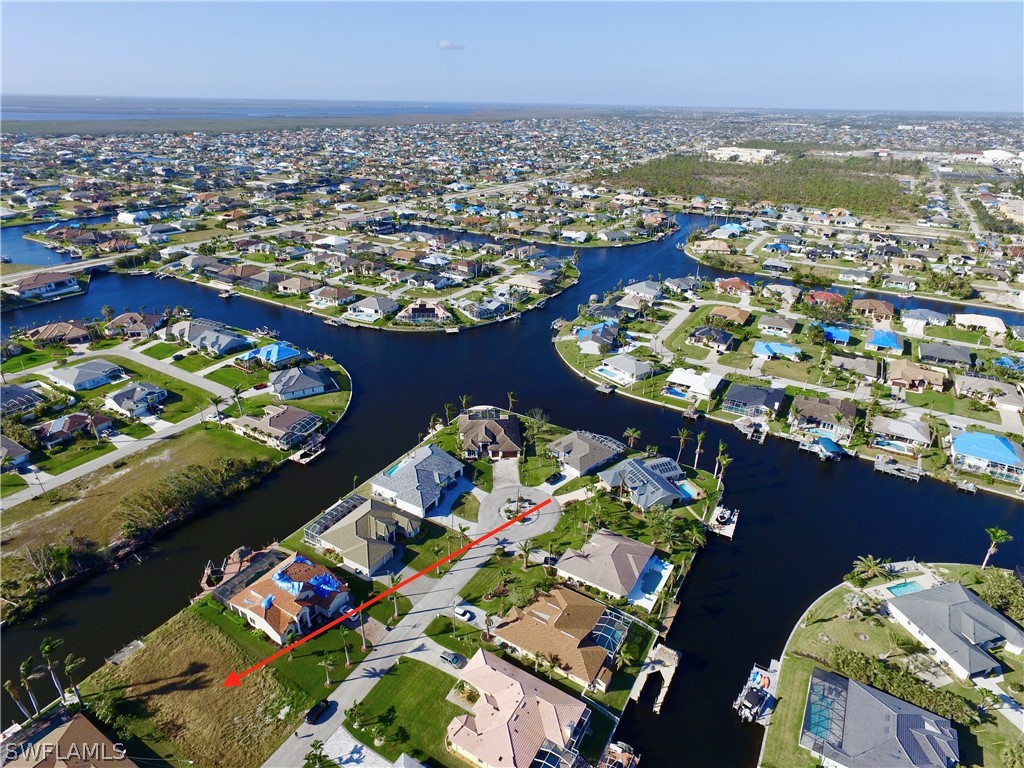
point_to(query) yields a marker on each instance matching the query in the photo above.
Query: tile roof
(610, 561)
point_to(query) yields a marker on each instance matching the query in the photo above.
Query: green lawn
(576, 483)
(429, 546)
(162, 349)
(133, 429)
(193, 363)
(409, 704)
(467, 506)
(953, 333)
(11, 482)
(32, 357)
(231, 376)
(486, 579)
(789, 369)
(538, 466)
(466, 639)
(79, 452)
(736, 359)
(946, 402)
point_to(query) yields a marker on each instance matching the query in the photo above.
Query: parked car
(316, 711)
(464, 613)
(453, 658)
(555, 478)
(262, 385)
(177, 357)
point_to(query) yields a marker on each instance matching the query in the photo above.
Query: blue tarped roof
(994, 448)
(887, 339)
(267, 602)
(324, 584)
(774, 349)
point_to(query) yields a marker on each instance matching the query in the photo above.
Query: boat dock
(605, 389)
(757, 700)
(825, 449)
(966, 486)
(723, 522)
(311, 450)
(752, 429)
(661, 660)
(122, 656)
(691, 413)
(893, 467)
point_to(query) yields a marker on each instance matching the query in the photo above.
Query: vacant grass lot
(73, 454)
(32, 357)
(162, 350)
(467, 506)
(946, 402)
(193, 363)
(232, 376)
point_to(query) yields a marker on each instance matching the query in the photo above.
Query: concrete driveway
(506, 473)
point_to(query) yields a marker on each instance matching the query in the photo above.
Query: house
(134, 325)
(485, 309)
(424, 311)
(64, 428)
(823, 297)
(624, 369)
(987, 454)
(886, 342)
(416, 484)
(68, 742)
(901, 433)
(733, 286)
(682, 284)
(60, 332)
(848, 724)
(302, 381)
(331, 296)
(735, 315)
(532, 284)
(16, 400)
(517, 720)
(12, 455)
(647, 290)
(1003, 395)
(207, 335)
(45, 285)
(916, 320)
(367, 537)
(136, 400)
(373, 308)
(825, 417)
(686, 382)
(776, 266)
(771, 350)
(297, 286)
(876, 309)
(263, 281)
(581, 452)
(899, 283)
(609, 562)
(752, 401)
(88, 375)
(859, 276)
(495, 438)
(710, 246)
(646, 482)
(276, 355)
(905, 374)
(776, 325)
(959, 627)
(285, 601)
(991, 325)
(717, 339)
(598, 339)
(237, 272)
(948, 355)
(571, 626)
(280, 426)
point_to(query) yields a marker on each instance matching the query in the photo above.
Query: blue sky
(916, 56)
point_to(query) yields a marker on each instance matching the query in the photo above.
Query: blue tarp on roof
(267, 602)
(835, 335)
(774, 349)
(994, 448)
(1014, 364)
(284, 582)
(324, 584)
(301, 559)
(273, 354)
(885, 340)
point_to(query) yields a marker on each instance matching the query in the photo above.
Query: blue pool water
(673, 392)
(687, 490)
(898, 447)
(907, 588)
(391, 470)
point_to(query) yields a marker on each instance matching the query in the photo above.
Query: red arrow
(234, 679)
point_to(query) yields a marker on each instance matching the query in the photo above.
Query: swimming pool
(391, 470)
(673, 392)
(688, 490)
(906, 588)
(615, 376)
(893, 447)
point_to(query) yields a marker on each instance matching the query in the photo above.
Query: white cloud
(448, 45)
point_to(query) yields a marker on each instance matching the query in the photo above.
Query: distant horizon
(820, 56)
(448, 102)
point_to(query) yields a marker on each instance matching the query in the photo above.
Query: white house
(690, 383)
(416, 484)
(624, 369)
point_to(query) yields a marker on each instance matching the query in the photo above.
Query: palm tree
(362, 630)
(316, 758)
(511, 400)
(526, 547)
(632, 435)
(488, 623)
(870, 567)
(46, 649)
(682, 435)
(432, 422)
(72, 664)
(328, 665)
(724, 460)
(465, 400)
(289, 638)
(217, 402)
(695, 533)
(721, 453)
(236, 391)
(27, 671)
(696, 454)
(392, 580)
(996, 537)
(448, 413)
(15, 692)
(107, 311)
(344, 643)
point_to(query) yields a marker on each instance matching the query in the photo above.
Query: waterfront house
(991, 325)
(858, 276)
(134, 325)
(417, 482)
(237, 272)
(734, 315)
(60, 332)
(276, 355)
(516, 720)
(495, 438)
(598, 339)
(487, 308)
(331, 296)
(66, 741)
(647, 290)
(776, 325)
(581, 632)
(847, 724)
(823, 297)
(916, 320)
(947, 355)
(905, 434)
(281, 426)
(752, 401)
(646, 482)
(64, 428)
(710, 246)
(824, 417)
(12, 455)
(45, 285)
(286, 599)
(987, 454)
(263, 281)
(787, 294)
(424, 311)
(373, 308)
(959, 627)
(876, 309)
(899, 283)
(682, 284)
(136, 400)
(531, 283)
(581, 452)
(733, 286)
(88, 375)
(624, 369)
(301, 381)
(608, 561)
(687, 382)
(906, 374)
(885, 342)
(367, 537)
(717, 339)
(297, 286)
(207, 335)
(16, 400)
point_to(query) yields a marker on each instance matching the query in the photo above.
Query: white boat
(226, 294)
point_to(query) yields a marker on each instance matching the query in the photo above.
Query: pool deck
(925, 577)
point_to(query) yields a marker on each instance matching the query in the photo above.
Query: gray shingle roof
(648, 481)
(418, 478)
(87, 371)
(584, 451)
(300, 378)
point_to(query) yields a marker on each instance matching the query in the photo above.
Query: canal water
(802, 523)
